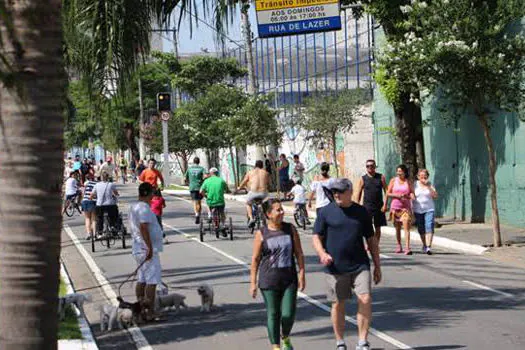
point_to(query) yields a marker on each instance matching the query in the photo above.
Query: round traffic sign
(165, 116)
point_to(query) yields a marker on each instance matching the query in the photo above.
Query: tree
(32, 102)
(326, 116)
(467, 52)
(408, 120)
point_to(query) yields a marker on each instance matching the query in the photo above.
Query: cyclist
(108, 168)
(299, 198)
(123, 169)
(213, 189)
(72, 187)
(194, 178)
(106, 194)
(257, 180)
(152, 175)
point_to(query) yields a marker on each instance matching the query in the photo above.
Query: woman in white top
(317, 188)
(424, 209)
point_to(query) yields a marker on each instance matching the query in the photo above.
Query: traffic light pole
(165, 151)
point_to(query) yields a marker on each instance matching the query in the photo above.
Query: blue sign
(300, 27)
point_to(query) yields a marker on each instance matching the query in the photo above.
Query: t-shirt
(214, 187)
(104, 192)
(151, 176)
(157, 204)
(299, 169)
(343, 230)
(299, 193)
(140, 169)
(71, 186)
(77, 164)
(108, 169)
(195, 175)
(88, 189)
(140, 213)
(123, 163)
(424, 202)
(321, 200)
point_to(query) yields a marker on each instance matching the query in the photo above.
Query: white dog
(173, 301)
(206, 293)
(78, 299)
(110, 314)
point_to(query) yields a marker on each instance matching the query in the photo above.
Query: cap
(213, 170)
(340, 185)
(109, 159)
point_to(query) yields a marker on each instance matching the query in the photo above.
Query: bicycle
(109, 235)
(301, 216)
(258, 216)
(217, 225)
(70, 205)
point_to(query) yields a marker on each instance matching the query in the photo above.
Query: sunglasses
(370, 166)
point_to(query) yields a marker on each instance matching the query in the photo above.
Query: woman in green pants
(276, 247)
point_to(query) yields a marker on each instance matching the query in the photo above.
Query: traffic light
(164, 102)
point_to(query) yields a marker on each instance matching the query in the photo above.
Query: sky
(203, 36)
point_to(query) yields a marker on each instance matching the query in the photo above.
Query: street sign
(165, 116)
(288, 17)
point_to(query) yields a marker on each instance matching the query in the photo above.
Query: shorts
(196, 195)
(425, 222)
(378, 217)
(285, 185)
(401, 216)
(254, 196)
(71, 196)
(339, 287)
(150, 272)
(89, 206)
(218, 208)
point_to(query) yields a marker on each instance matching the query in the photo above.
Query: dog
(162, 289)
(206, 293)
(110, 314)
(137, 309)
(171, 301)
(77, 299)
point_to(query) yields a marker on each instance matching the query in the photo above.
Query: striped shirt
(88, 188)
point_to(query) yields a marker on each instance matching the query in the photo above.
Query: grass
(177, 188)
(68, 328)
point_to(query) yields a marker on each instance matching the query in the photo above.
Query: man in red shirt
(152, 175)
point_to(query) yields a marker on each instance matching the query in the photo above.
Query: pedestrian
(98, 168)
(157, 206)
(276, 248)
(370, 190)
(401, 191)
(299, 168)
(339, 232)
(284, 176)
(89, 207)
(152, 175)
(77, 163)
(133, 170)
(108, 168)
(424, 206)
(84, 170)
(146, 248)
(299, 198)
(318, 187)
(194, 178)
(140, 168)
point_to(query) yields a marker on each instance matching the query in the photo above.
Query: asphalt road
(445, 301)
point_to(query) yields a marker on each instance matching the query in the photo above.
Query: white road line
(135, 332)
(481, 286)
(308, 299)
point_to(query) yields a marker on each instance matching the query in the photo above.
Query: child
(299, 199)
(157, 204)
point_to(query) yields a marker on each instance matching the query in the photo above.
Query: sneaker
(251, 223)
(287, 344)
(424, 249)
(88, 237)
(399, 250)
(341, 347)
(197, 219)
(365, 346)
(429, 251)
(408, 252)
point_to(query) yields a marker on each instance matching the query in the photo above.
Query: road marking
(135, 332)
(377, 333)
(481, 286)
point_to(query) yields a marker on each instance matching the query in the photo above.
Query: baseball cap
(340, 185)
(109, 159)
(213, 170)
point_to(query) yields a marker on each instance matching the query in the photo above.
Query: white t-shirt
(423, 202)
(140, 213)
(104, 192)
(320, 198)
(299, 193)
(108, 169)
(71, 186)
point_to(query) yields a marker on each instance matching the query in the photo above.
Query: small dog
(109, 314)
(78, 299)
(162, 289)
(136, 308)
(206, 293)
(173, 301)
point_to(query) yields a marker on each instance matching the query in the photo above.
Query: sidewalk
(465, 237)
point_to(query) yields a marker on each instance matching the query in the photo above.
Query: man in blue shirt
(338, 237)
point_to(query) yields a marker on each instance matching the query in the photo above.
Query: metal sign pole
(165, 151)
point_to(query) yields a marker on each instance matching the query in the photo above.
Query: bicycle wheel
(296, 217)
(230, 229)
(70, 210)
(201, 231)
(93, 242)
(303, 221)
(79, 208)
(123, 237)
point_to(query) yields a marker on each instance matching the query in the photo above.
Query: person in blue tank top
(276, 248)
(284, 175)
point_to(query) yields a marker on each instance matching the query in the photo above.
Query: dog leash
(129, 277)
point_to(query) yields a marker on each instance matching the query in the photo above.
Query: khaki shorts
(339, 287)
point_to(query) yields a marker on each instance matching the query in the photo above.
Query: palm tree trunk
(483, 120)
(31, 140)
(247, 35)
(409, 135)
(334, 153)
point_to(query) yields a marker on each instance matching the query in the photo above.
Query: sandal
(399, 250)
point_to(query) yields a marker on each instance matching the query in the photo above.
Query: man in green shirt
(194, 178)
(213, 188)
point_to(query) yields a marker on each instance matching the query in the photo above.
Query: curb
(439, 241)
(88, 341)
